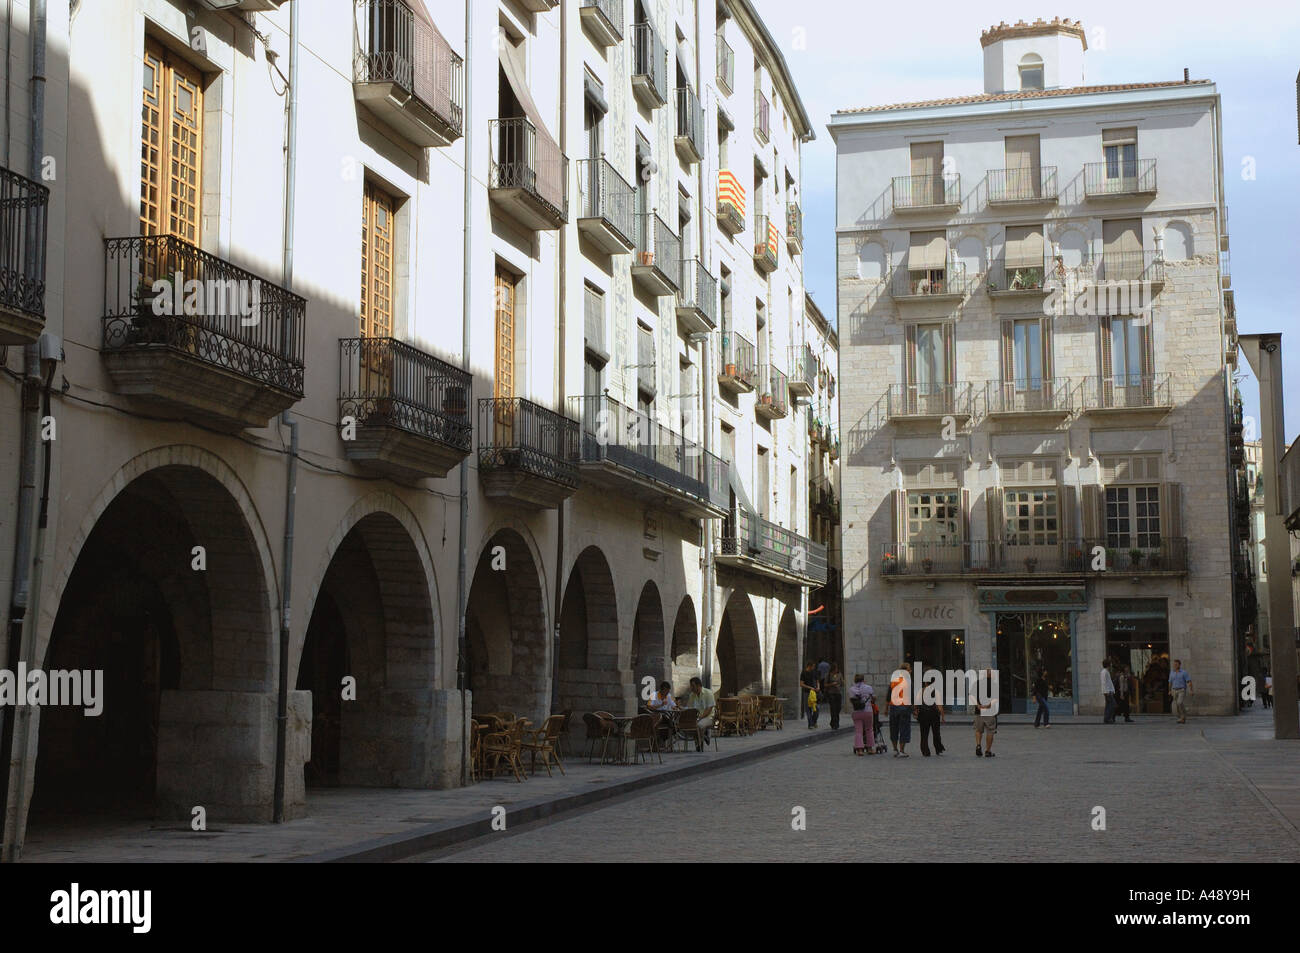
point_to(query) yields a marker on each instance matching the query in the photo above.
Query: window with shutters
(376, 263)
(1028, 470)
(930, 367)
(1127, 344)
(1027, 347)
(933, 516)
(1133, 517)
(171, 153)
(927, 474)
(1031, 517)
(1120, 149)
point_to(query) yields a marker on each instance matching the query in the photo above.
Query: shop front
(934, 634)
(1137, 644)
(1034, 635)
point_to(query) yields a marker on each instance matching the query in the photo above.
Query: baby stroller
(882, 745)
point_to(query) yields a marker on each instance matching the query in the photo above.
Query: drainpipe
(467, 286)
(561, 358)
(707, 383)
(21, 588)
(291, 469)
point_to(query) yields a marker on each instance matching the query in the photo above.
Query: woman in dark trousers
(833, 694)
(1040, 696)
(929, 718)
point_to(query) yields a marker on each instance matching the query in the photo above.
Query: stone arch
(873, 261)
(1180, 241)
(740, 648)
(186, 649)
(785, 660)
(372, 621)
(649, 656)
(589, 678)
(507, 629)
(684, 652)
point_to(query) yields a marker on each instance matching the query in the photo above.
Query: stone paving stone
(1170, 793)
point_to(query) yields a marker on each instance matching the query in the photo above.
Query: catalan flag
(731, 192)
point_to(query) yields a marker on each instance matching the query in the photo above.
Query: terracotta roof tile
(1022, 94)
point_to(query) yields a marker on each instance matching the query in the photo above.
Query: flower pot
(731, 370)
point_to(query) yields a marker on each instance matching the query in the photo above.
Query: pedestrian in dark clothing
(810, 685)
(832, 694)
(1123, 693)
(929, 717)
(1040, 696)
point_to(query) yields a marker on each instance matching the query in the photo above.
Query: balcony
(409, 409)
(691, 128)
(1143, 266)
(245, 6)
(606, 207)
(649, 67)
(657, 265)
(726, 66)
(926, 193)
(731, 203)
(629, 453)
(24, 216)
(1029, 399)
(1288, 470)
(529, 176)
(773, 401)
(526, 454)
(803, 370)
(935, 284)
(737, 363)
(929, 403)
(767, 244)
(406, 74)
(603, 19)
(794, 228)
(1022, 186)
(822, 499)
(1109, 180)
(1016, 279)
(935, 560)
(752, 544)
(1125, 394)
(762, 117)
(697, 298)
(193, 334)
(1225, 269)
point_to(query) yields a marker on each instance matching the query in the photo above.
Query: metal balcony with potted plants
(697, 298)
(603, 20)
(926, 193)
(930, 284)
(527, 454)
(803, 370)
(23, 229)
(656, 266)
(690, 137)
(737, 363)
(772, 401)
(1012, 278)
(928, 403)
(606, 207)
(731, 203)
(1022, 186)
(1029, 398)
(649, 67)
(528, 177)
(410, 410)
(1125, 395)
(948, 559)
(233, 362)
(628, 452)
(794, 228)
(1119, 179)
(752, 544)
(767, 244)
(406, 74)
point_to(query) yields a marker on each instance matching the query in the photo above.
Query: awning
(549, 158)
(1024, 246)
(1113, 137)
(734, 478)
(1121, 236)
(927, 250)
(595, 94)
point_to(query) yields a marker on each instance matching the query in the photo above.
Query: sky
(844, 54)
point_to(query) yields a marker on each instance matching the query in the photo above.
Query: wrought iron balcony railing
(731, 203)
(1016, 277)
(803, 369)
(1127, 266)
(773, 398)
(783, 552)
(658, 255)
(617, 434)
(697, 296)
(1022, 186)
(737, 361)
(929, 283)
(604, 18)
(386, 382)
(242, 324)
(608, 198)
(929, 400)
(1057, 556)
(916, 192)
(516, 434)
(1125, 392)
(1030, 395)
(762, 117)
(691, 131)
(649, 66)
(767, 244)
(533, 164)
(401, 47)
(24, 218)
(726, 66)
(1119, 177)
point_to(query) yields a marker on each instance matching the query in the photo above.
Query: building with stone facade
(525, 434)
(1036, 352)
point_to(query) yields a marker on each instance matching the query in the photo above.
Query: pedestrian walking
(1108, 690)
(832, 694)
(1040, 696)
(986, 722)
(1268, 689)
(823, 669)
(1123, 693)
(900, 712)
(929, 717)
(810, 685)
(861, 698)
(1180, 683)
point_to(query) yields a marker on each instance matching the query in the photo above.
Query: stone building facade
(1036, 393)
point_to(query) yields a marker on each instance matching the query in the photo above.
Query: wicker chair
(504, 746)
(729, 719)
(543, 741)
(598, 731)
(475, 750)
(688, 726)
(640, 732)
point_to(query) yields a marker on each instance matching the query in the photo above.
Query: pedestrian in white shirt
(1108, 689)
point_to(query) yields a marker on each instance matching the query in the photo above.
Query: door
(927, 179)
(376, 320)
(1120, 149)
(1024, 174)
(1122, 249)
(503, 386)
(171, 146)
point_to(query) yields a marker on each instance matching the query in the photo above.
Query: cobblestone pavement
(1217, 789)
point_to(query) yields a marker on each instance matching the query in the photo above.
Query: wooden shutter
(1022, 154)
(1106, 383)
(1094, 515)
(171, 154)
(1119, 136)
(504, 385)
(1008, 351)
(927, 158)
(993, 502)
(909, 355)
(1069, 513)
(1171, 510)
(899, 498)
(1146, 349)
(1045, 325)
(376, 264)
(950, 358)
(965, 515)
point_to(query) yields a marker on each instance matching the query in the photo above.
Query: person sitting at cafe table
(663, 700)
(702, 700)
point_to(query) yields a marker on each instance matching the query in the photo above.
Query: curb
(445, 834)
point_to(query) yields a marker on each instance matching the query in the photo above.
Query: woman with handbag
(860, 697)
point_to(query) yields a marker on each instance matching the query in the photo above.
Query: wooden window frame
(171, 148)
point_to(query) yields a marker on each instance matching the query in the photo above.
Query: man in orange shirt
(900, 711)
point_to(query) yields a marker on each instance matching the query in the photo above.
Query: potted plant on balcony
(1112, 559)
(646, 258)
(1135, 557)
(889, 563)
(927, 564)
(1076, 558)
(767, 400)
